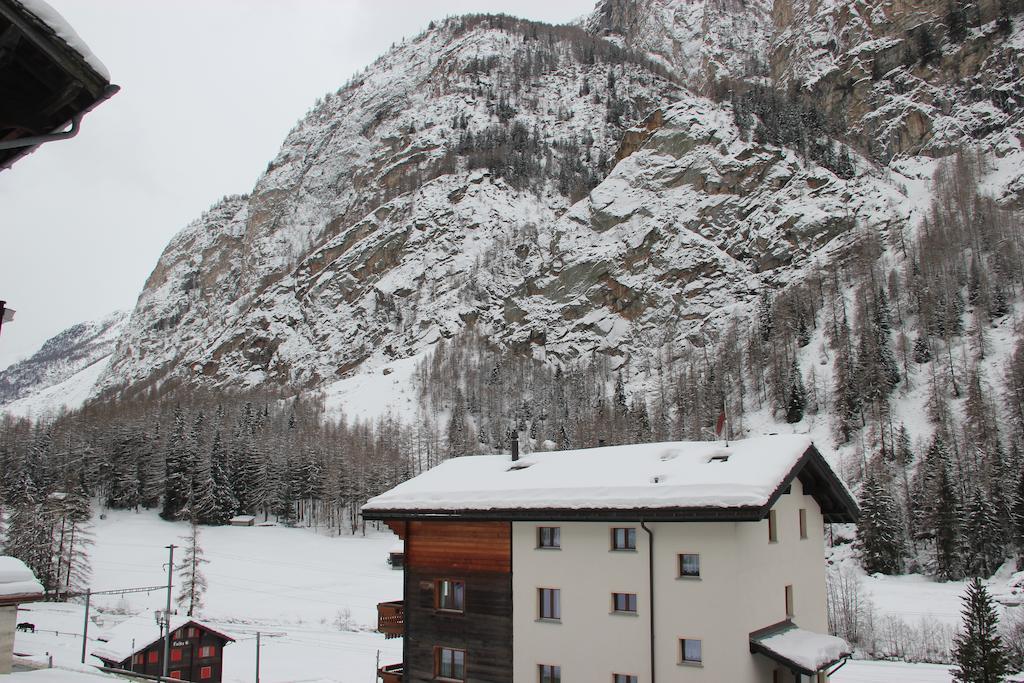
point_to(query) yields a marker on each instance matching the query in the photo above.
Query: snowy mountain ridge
(566, 197)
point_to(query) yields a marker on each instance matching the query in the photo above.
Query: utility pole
(170, 583)
(257, 657)
(85, 628)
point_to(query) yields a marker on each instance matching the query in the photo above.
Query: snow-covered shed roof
(798, 649)
(698, 480)
(17, 582)
(143, 632)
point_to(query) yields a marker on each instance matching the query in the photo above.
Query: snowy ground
(295, 586)
(886, 672)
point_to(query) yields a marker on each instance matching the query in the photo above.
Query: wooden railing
(391, 619)
(392, 673)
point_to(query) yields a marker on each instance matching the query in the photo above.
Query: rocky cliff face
(565, 195)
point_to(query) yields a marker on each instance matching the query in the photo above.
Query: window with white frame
(624, 678)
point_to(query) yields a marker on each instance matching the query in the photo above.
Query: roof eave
(668, 514)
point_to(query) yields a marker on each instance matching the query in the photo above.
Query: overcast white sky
(209, 90)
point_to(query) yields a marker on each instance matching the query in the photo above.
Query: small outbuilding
(196, 649)
(396, 555)
(243, 520)
(17, 585)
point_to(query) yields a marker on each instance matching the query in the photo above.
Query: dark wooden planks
(479, 554)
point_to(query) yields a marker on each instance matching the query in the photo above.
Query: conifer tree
(922, 352)
(978, 651)
(797, 399)
(945, 528)
(177, 480)
(879, 538)
(983, 536)
(191, 578)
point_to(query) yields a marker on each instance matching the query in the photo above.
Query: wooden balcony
(392, 673)
(391, 620)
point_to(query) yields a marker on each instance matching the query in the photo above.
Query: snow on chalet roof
(63, 30)
(143, 631)
(790, 645)
(17, 580)
(700, 474)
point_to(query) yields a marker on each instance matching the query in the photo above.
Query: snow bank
(659, 475)
(17, 579)
(62, 28)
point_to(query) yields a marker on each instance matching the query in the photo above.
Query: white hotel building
(630, 564)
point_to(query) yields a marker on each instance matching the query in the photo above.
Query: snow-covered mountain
(63, 372)
(569, 190)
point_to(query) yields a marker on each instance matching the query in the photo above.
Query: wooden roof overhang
(45, 84)
(8, 600)
(815, 475)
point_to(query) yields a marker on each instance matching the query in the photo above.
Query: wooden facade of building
(196, 654)
(458, 601)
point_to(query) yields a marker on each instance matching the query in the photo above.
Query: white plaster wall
(8, 620)
(741, 589)
(590, 643)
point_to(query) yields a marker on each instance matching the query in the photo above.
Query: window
(689, 650)
(550, 603)
(689, 565)
(803, 523)
(777, 676)
(624, 602)
(450, 663)
(773, 536)
(175, 654)
(789, 601)
(624, 678)
(450, 595)
(549, 537)
(549, 673)
(624, 538)
(140, 658)
(153, 656)
(206, 672)
(207, 651)
(176, 674)
(193, 632)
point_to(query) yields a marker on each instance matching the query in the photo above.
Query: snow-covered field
(299, 588)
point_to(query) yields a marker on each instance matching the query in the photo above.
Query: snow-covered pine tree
(983, 536)
(178, 479)
(797, 399)
(220, 468)
(190, 575)
(978, 651)
(945, 527)
(879, 537)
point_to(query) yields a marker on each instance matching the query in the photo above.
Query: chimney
(515, 448)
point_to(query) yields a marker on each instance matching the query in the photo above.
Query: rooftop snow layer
(807, 649)
(62, 28)
(695, 474)
(141, 631)
(17, 579)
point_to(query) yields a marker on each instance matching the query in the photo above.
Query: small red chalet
(196, 650)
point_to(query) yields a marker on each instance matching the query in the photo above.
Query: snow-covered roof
(17, 582)
(703, 476)
(397, 548)
(798, 648)
(63, 30)
(142, 631)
